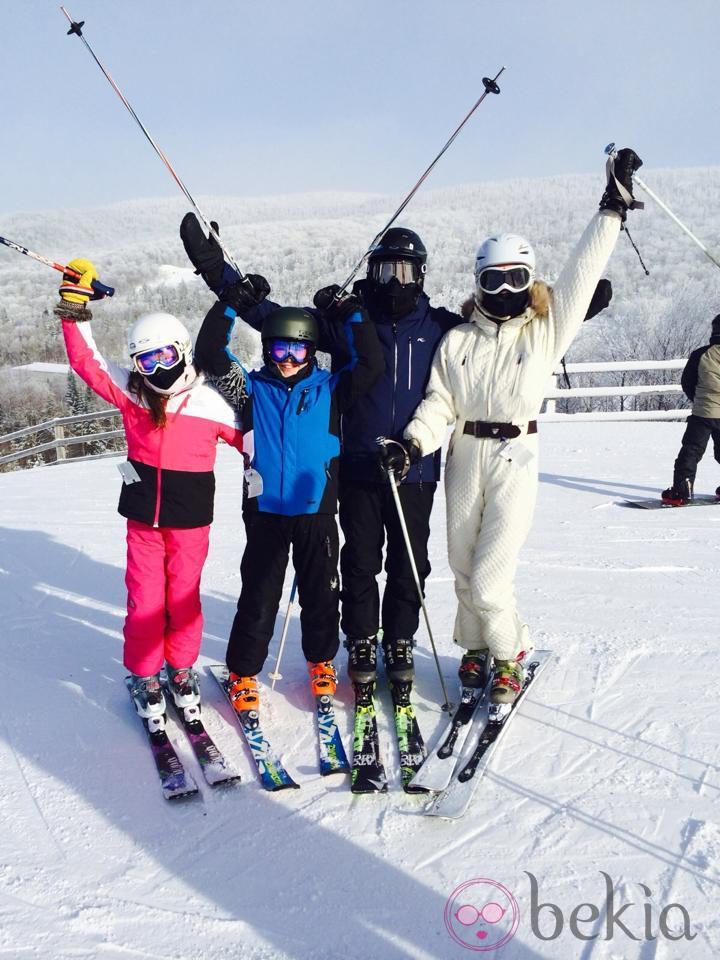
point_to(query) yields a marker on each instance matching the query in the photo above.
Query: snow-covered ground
(612, 765)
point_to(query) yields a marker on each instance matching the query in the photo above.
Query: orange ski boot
(323, 678)
(243, 692)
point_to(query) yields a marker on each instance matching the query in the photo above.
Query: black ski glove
(396, 458)
(325, 298)
(207, 258)
(618, 194)
(337, 311)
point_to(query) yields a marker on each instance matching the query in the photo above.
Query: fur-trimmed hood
(540, 299)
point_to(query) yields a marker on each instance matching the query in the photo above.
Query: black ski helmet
(290, 323)
(392, 286)
(399, 243)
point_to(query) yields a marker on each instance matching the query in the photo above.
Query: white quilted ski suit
(498, 373)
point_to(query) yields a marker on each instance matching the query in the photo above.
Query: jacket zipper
(491, 378)
(301, 404)
(158, 488)
(282, 446)
(395, 359)
(409, 362)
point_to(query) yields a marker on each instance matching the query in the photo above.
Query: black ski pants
(314, 542)
(694, 442)
(367, 516)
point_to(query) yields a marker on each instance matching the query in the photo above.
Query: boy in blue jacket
(409, 328)
(290, 416)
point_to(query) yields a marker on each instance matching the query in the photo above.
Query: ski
(655, 503)
(436, 773)
(272, 773)
(411, 745)
(454, 801)
(368, 772)
(215, 768)
(176, 783)
(333, 758)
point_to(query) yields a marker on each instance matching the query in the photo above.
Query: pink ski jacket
(175, 462)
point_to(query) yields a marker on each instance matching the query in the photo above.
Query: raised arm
(247, 297)
(213, 356)
(106, 379)
(574, 289)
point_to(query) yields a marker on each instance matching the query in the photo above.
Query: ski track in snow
(612, 763)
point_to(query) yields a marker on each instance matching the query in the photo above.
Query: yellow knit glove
(78, 290)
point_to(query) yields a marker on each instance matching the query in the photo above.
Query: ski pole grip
(101, 288)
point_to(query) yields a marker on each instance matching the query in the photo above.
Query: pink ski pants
(164, 616)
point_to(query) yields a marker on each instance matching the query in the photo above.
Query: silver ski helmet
(504, 275)
(161, 349)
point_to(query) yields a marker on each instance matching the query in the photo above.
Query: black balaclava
(164, 379)
(394, 298)
(505, 305)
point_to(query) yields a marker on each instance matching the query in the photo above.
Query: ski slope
(611, 765)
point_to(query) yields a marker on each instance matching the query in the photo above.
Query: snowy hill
(612, 765)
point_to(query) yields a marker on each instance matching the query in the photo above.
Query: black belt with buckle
(497, 431)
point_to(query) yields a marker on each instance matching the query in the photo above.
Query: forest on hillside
(303, 242)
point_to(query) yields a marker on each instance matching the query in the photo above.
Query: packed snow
(610, 767)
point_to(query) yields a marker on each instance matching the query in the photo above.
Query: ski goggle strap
(404, 271)
(495, 279)
(148, 361)
(297, 351)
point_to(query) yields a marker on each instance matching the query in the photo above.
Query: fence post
(59, 433)
(550, 404)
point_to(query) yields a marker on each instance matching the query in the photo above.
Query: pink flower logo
(481, 915)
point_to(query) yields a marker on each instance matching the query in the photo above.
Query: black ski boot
(398, 655)
(680, 493)
(475, 669)
(362, 659)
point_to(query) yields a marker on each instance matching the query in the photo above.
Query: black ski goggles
(494, 279)
(404, 271)
(296, 351)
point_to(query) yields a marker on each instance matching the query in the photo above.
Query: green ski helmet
(289, 323)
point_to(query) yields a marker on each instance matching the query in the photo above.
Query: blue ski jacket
(408, 345)
(291, 427)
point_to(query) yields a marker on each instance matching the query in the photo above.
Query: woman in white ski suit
(488, 374)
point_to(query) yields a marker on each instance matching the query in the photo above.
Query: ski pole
(76, 28)
(275, 674)
(408, 546)
(611, 152)
(73, 274)
(491, 86)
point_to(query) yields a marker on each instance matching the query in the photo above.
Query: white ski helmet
(506, 248)
(154, 330)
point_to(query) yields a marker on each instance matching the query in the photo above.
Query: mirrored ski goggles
(296, 351)
(495, 279)
(405, 271)
(148, 361)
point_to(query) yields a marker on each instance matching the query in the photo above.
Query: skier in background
(701, 382)
(292, 410)
(173, 422)
(409, 328)
(489, 378)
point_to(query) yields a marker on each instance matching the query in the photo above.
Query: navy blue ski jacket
(291, 427)
(408, 345)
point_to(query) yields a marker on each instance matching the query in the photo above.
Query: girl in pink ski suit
(173, 422)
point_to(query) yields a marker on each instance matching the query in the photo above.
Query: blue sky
(276, 96)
